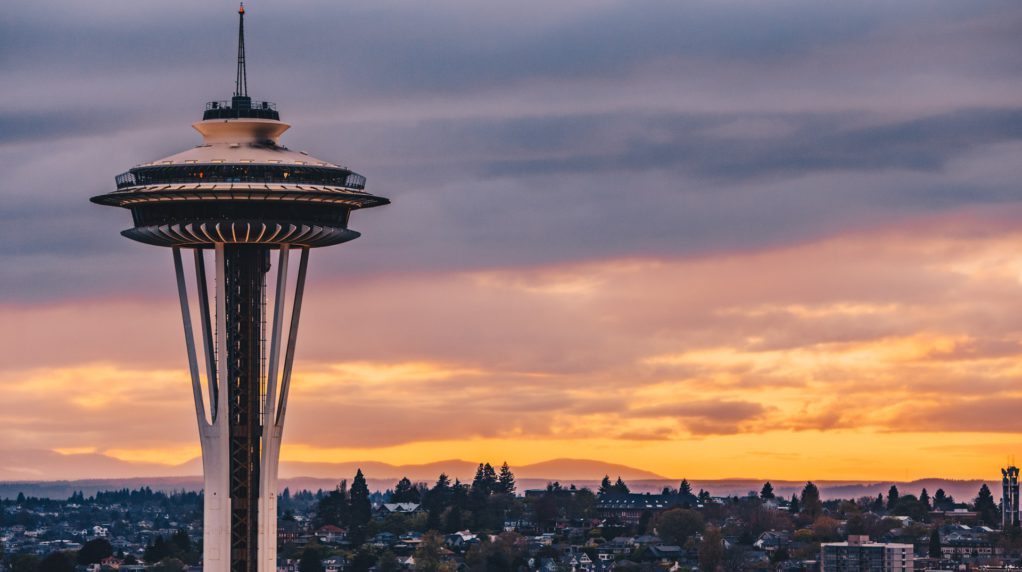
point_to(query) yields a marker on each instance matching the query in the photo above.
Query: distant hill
(37, 473)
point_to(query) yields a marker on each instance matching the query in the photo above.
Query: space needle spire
(251, 202)
(241, 81)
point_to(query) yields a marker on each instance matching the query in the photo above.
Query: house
(460, 541)
(408, 508)
(330, 534)
(772, 540)
(111, 562)
(335, 564)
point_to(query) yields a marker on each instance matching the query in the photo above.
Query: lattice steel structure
(243, 196)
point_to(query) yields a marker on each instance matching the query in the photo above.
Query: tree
(924, 498)
(675, 526)
(940, 499)
(362, 561)
(429, 555)
(182, 543)
(793, 506)
(986, 507)
(892, 497)
(620, 487)
(767, 492)
(334, 507)
(684, 488)
(878, 504)
(405, 491)
(811, 504)
(94, 550)
(310, 561)
(909, 505)
(506, 480)
(606, 486)
(935, 551)
(57, 562)
(156, 551)
(361, 509)
(711, 550)
(388, 562)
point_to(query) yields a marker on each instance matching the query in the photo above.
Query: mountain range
(47, 473)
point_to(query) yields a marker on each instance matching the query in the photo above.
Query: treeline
(446, 506)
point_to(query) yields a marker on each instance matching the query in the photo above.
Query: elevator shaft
(245, 268)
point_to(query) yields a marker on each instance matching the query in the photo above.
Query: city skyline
(727, 241)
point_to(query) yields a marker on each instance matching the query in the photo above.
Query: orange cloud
(710, 367)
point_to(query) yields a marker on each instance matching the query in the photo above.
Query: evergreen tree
(453, 522)
(506, 480)
(878, 504)
(405, 491)
(810, 500)
(361, 509)
(606, 486)
(443, 484)
(986, 507)
(767, 492)
(935, 551)
(684, 488)
(489, 478)
(892, 497)
(704, 496)
(333, 508)
(793, 506)
(620, 487)
(924, 498)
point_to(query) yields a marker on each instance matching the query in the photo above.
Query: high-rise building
(859, 554)
(243, 196)
(1009, 497)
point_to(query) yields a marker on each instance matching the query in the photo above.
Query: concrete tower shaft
(252, 202)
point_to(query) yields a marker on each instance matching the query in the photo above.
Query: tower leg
(242, 434)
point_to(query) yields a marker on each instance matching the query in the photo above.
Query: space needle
(249, 200)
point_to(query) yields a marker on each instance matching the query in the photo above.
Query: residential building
(859, 554)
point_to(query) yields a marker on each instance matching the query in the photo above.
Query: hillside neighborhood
(489, 525)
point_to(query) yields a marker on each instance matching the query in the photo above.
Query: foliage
(675, 526)
(95, 550)
(986, 507)
(767, 492)
(405, 491)
(892, 497)
(311, 560)
(684, 488)
(506, 553)
(57, 562)
(810, 501)
(429, 556)
(711, 550)
(935, 543)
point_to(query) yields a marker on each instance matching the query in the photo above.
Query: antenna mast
(241, 81)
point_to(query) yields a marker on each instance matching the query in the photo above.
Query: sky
(708, 239)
